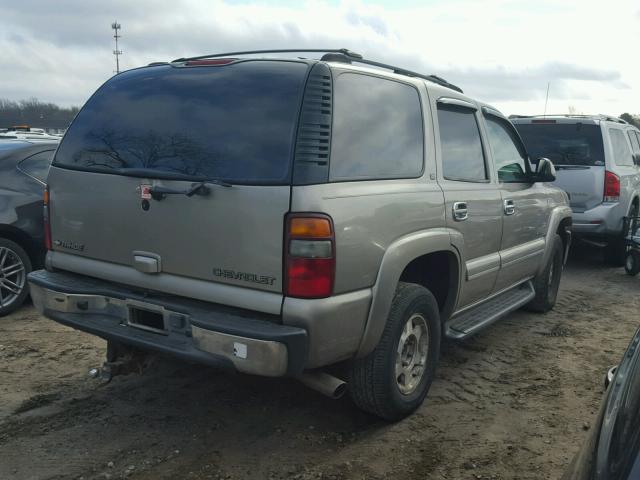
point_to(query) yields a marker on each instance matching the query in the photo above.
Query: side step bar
(476, 318)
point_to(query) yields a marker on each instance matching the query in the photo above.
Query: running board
(476, 318)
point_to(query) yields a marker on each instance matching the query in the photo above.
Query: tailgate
(181, 171)
(584, 184)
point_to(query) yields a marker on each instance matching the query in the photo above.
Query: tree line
(35, 113)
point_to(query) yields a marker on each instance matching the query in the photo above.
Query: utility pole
(115, 26)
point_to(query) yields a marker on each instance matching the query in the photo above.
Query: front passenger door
(524, 205)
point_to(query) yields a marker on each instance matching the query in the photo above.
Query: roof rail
(340, 54)
(607, 118)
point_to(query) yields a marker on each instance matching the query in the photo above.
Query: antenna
(546, 100)
(115, 26)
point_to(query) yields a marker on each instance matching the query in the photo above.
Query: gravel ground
(514, 402)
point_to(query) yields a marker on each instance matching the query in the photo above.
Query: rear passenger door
(472, 200)
(525, 209)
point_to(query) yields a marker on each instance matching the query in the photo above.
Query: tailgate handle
(147, 262)
(158, 193)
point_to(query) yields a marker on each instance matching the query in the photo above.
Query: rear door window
(234, 122)
(377, 129)
(621, 151)
(462, 153)
(564, 143)
(508, 153)
(634, 141)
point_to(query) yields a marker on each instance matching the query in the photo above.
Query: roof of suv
(342, 56)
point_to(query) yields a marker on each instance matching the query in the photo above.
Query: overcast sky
(500, 51)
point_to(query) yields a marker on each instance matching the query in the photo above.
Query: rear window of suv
(564, 143)
(235, 122)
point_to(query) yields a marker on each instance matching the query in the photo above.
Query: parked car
(24, 132)
(277, 216)
(23, 172)
(612, 449)
(596, 159)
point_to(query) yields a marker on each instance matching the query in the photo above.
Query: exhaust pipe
(324, 383)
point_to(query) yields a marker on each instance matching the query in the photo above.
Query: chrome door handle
(509, 207)
(460, 211)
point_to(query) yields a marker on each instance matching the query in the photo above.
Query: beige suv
(276, 215)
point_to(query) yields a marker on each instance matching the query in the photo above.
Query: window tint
(634, 141)
(563, 143)
(235, 122)
(377, 129)
(621, 151)
(37, 165)
(508, 154)
(462, 155)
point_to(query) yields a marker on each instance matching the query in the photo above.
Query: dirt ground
(512, 403)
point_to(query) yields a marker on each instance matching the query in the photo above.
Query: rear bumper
(602, 220)
(248, 342)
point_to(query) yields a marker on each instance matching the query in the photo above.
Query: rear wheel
(616, 251)
(632, 263)
(393, 380)
(14, 268)
(547, 282)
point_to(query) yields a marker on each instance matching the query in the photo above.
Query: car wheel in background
(632, 262)
(393, 380)
(15, 265)
(616, 251)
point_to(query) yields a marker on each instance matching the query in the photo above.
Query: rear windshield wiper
(158, 192)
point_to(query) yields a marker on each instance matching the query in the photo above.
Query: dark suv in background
(23, 172)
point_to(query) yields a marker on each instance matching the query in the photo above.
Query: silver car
(596, 158)
(279, 215)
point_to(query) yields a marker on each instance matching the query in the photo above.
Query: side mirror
(545, 172)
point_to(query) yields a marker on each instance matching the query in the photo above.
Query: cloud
(496, 50)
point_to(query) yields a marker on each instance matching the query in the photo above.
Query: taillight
(45, 215)
(611, 187)
(310, 258)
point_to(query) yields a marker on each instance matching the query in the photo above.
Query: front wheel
(393, 380)
(547, 282)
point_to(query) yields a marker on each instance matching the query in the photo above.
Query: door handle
(460, 211)
(509, 207)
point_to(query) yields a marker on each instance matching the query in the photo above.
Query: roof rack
(607, 118)
(333, 55)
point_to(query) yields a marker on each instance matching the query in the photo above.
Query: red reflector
(611, 187)
(543, 121)
(310, 277)
(203, 63)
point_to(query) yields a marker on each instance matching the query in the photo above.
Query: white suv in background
(596, 158)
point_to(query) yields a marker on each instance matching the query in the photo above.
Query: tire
(547, 282)
(615, 252)
(632, 263)
(15, 265)
(374, 384)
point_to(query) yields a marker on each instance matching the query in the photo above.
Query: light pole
(115, 27)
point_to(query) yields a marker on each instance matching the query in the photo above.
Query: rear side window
(462, 154)
(508, 153)
(633, 137)
(377, 129)
(235, 122)
(621, 151)
(37, 166)
(563, 143)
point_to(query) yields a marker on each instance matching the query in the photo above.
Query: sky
(504, 52)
